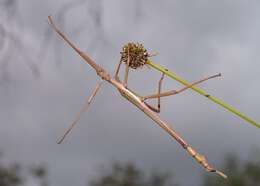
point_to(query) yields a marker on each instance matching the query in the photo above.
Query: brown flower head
(138, 55)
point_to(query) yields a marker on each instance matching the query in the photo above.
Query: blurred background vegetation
(241, 173)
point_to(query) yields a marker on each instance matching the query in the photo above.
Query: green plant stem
(184, 82)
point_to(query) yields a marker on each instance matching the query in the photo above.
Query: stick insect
(136, 100)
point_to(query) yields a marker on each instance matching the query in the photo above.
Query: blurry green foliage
(40, 172)
(240, 173)
(10, 175)
(13, 174)
(127, 174)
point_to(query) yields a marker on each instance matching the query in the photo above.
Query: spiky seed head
(138, 55)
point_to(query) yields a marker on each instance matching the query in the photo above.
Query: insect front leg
(158, 109)
(173, 92)
(127, 69)
(117, 70)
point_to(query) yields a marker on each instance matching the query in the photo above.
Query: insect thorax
(138, 55)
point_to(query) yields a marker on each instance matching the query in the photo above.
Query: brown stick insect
(134, 56)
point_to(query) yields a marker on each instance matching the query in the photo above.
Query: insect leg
(127, 69)
(117, 70)
(86, 106)
(173, 92)
(158, 109)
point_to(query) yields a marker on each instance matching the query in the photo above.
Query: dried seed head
(138, 55)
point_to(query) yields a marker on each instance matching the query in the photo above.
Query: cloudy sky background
(43, 84)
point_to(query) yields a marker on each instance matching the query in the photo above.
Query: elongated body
(139, 103)
(134, 99)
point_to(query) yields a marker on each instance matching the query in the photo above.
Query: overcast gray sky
(41, 92)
